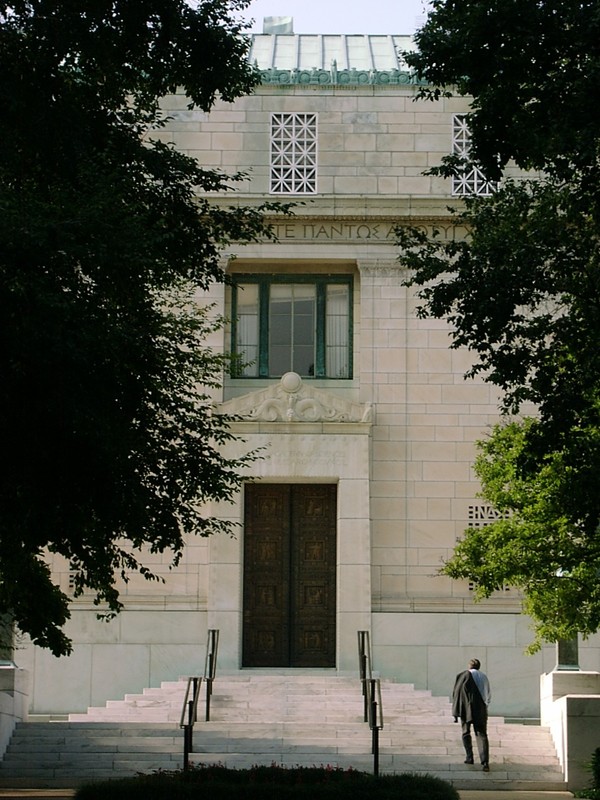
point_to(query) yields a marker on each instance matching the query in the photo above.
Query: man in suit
(470, 700)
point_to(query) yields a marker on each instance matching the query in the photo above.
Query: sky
(341, 16)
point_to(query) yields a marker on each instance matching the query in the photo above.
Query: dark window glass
(286, 324)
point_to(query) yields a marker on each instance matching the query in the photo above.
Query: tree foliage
(109, 444)
(522, 292)
(531, 69)
(540, 541)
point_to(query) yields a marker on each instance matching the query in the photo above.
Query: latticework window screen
(293, 153)
(470, 180)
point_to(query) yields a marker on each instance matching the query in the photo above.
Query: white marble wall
(405, 481)
(570, 703)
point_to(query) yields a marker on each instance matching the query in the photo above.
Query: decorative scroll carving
(340, 77)
(292, 400)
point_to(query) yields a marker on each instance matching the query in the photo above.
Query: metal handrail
(194, 684)
(190, 707)
(375, 718)
(364, 667)
(210, 666)
(371, 689)
(375, 705)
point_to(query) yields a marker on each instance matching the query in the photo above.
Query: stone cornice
(400, 210)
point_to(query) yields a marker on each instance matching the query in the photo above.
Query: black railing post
(186, 749)
(364, 668)
(188, 735)
(376, 751)
(196, 684)
(209, 683)
(210, 666)
(189, 715)
(371, 688)
(364, 688)
(374, 722)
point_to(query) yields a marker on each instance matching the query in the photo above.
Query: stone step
(501, 776)
(295, 701)
(261, 719)
(63, 754)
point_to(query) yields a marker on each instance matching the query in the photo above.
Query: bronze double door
(289, 575)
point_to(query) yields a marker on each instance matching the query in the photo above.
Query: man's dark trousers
(481, 737)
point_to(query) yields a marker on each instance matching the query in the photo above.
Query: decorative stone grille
(470, 180)
(72, 575)
(479, 516)
(293, 153)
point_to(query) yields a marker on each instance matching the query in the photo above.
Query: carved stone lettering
(350, 231)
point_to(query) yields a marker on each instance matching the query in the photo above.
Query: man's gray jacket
(467, 702)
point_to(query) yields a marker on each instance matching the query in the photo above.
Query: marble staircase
(284, 718)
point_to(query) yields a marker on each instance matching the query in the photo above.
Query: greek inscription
(335, 232)
(349, 231)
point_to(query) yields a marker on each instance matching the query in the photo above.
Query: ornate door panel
(289, 575)
(266, 576)
(313, 576)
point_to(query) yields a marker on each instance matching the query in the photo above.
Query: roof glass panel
(359, 54)
(284, 54)
(310, 51)
(334, 50)
(311, 54)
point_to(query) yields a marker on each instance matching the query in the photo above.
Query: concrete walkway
(33, 794)
(465, 794)
(470, 794)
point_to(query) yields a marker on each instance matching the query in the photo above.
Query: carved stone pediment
(292, 400)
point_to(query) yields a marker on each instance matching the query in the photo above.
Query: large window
(470, 180)
(299, 323)
(293, 153)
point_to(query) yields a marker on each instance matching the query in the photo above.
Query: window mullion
(320, 331)
(263, 330)
(350, 331)
(234, 365)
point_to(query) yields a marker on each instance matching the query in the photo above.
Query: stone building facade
(365, 419)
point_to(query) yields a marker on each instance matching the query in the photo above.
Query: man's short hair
(474, 663)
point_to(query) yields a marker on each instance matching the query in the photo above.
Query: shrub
(270, 783)
(596, 768)
(593, 793)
